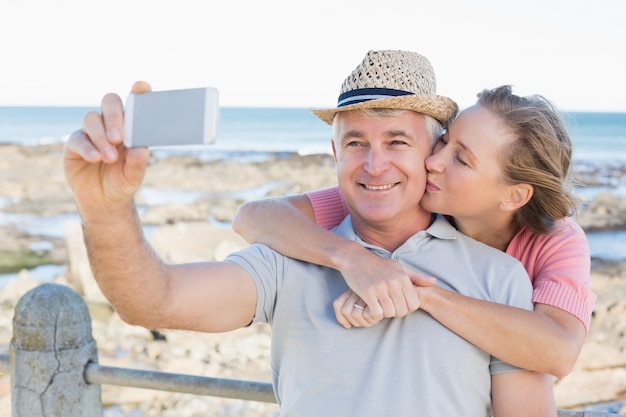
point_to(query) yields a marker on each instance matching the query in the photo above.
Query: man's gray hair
(433, 126)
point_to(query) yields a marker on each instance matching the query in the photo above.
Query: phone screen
(171, 118)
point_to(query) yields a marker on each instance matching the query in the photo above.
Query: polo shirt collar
(441, 228)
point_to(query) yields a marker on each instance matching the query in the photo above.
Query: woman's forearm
(546, 340)
(287, 226)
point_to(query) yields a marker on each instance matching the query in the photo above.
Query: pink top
(558, 263)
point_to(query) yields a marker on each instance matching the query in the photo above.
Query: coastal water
(253, 133)
(242, 132)
(599, 138)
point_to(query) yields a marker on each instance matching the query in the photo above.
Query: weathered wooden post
(51, 345)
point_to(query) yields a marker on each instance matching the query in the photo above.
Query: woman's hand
(387, 289)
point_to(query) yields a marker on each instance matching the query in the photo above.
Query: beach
(186, 205)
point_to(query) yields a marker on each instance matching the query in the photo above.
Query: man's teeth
(379, 187)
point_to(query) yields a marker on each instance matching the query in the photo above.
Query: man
(402, 366)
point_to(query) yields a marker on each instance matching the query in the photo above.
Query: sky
(289, 53)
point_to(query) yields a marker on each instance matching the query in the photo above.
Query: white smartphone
(171, 117)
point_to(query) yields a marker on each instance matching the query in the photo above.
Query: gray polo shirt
(401, 366)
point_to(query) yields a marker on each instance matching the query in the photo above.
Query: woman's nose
(434, 162)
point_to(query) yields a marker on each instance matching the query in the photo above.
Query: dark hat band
(366, 94)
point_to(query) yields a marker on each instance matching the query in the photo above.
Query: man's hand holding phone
(102, 172)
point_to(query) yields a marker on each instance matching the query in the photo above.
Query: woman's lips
(431, 187)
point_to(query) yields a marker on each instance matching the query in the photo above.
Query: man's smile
(383, 187)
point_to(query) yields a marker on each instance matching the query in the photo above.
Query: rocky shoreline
(33, 185)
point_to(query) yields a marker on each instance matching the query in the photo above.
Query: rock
(194, 241)
(79, 273)
(605, 212)
(600, 372)
(15, 289)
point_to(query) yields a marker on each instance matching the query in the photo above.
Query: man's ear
(332, 143)
(518, 195)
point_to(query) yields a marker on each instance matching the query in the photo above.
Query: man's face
(380, 168)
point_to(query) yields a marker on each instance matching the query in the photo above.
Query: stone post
(51, 345)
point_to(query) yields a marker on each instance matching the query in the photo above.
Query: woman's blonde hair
(540, 155)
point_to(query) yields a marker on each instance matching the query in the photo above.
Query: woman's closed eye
(459, 159)
(442, 142)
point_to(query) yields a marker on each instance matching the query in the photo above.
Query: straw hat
(395, 80)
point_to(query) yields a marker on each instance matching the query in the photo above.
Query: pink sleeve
(329, 207)
(559, 266)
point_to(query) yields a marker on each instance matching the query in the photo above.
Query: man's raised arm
(104, 176)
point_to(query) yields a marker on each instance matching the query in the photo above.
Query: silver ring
(359, 306)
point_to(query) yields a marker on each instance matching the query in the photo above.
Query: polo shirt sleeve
(267, 268)
(496, 367)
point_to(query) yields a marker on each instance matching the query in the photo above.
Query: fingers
(351, 311)
(379, 307)
(111, 129)
(341, 308)
(140, 87)
(99, 169)
(103, 132)
(396, 296)
(383, 306)
(388, 298)
(79, 145)
(113, 119)
(136, 162)
(401, 296)
(392, 298)
(382, 283)
(421, 280)
(413, 302)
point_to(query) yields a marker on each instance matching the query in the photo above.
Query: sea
(251, 134)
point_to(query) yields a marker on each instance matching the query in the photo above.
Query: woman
(500, 171)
